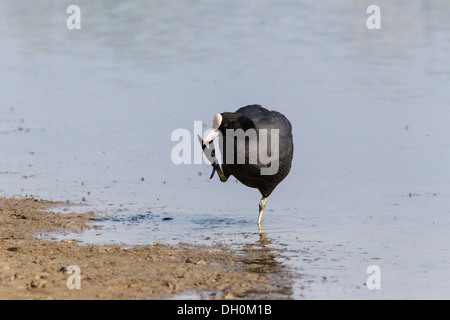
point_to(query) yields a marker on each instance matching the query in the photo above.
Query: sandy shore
(33, 268)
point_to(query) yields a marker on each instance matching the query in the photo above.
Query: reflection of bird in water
(278, 143)
(261, 258)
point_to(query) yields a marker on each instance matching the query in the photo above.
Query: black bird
(261, 153)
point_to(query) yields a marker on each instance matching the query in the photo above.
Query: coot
(260, 148)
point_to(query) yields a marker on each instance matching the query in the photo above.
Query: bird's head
(227, 120)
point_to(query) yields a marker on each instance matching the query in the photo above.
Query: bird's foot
(210, 154)
(260, 229)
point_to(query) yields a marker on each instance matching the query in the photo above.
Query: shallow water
(87, 115)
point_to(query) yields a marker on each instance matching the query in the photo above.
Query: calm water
(86, 115)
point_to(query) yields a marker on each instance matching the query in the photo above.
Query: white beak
(214, 131)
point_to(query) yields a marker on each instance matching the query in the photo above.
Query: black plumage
(249, 170)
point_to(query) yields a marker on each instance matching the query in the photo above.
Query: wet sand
(34, 268)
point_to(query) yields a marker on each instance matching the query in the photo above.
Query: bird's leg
(216, 167)
(222, 177)
(211, 156)
(262, 205)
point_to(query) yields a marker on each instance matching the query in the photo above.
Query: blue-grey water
(87, 116)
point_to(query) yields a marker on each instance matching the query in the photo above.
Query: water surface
(86, 116)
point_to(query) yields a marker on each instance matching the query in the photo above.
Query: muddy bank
(33, 268)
